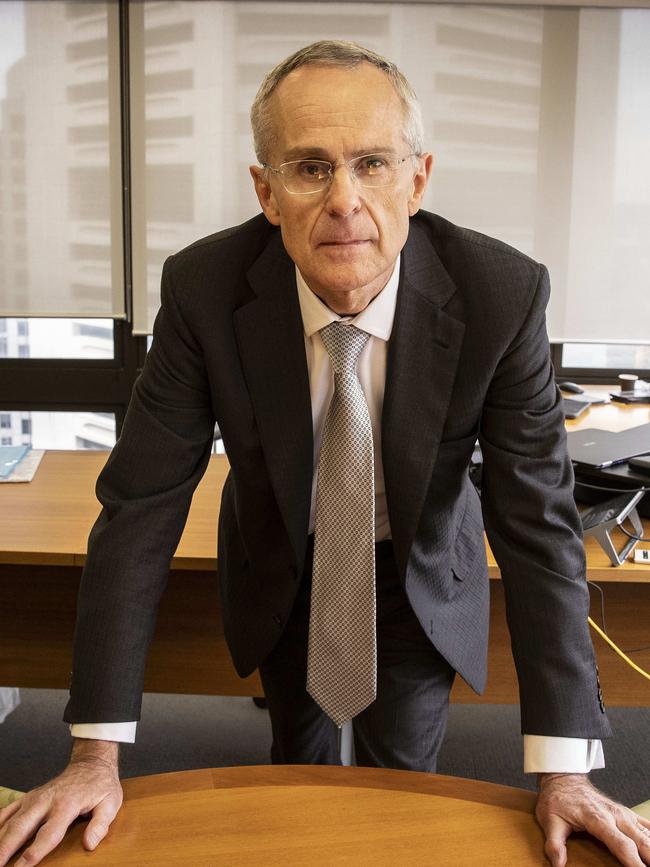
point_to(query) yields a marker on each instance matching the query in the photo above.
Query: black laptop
(597, 448)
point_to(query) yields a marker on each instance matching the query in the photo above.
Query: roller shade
(60, 160)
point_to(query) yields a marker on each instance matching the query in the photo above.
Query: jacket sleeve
(145, 490)
(535, 533)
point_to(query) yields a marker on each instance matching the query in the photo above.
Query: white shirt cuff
(549, 755)
(124, 732)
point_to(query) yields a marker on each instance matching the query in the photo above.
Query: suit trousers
(403, 728)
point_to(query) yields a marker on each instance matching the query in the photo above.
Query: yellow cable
(617, 649)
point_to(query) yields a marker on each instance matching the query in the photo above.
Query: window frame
(590, 375)
(73, 385)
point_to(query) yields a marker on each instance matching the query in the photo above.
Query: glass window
(538, 118)
(60, 141)
(89, 192)
(619, 357)
(61, 430)
(171, 194)
(594, 177)
(57, 338)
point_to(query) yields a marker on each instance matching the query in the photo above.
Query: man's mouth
(345, 242)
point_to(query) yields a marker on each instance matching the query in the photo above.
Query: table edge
(477, 791)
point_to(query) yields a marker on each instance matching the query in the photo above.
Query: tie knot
(343, 344)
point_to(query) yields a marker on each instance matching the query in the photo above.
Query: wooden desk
(44, 528)
(47, 521)
(279, 816)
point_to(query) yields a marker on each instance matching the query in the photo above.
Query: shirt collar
(376, 319)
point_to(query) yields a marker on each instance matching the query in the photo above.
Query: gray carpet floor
(179, 732)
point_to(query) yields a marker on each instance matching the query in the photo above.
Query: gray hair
(335, 53)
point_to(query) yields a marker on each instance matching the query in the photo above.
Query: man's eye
(311, 170)
(374, 163)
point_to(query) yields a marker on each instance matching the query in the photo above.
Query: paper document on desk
(26, 469)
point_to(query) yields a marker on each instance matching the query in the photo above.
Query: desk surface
(48, 520)
(277, 815)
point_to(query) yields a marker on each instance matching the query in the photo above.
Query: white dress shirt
(542, 754)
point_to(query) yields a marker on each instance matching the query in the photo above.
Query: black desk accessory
(594, 486)
(635, 391)
(641, 465)
(571, 387)
(599, 521)
(574, 406)
(630, 397)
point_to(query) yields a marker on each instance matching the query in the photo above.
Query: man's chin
(350, 280)
(348, 267)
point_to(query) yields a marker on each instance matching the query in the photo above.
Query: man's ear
(265, 194)
(419, 182)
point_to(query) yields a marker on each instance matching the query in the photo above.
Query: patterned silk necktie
(342, 661)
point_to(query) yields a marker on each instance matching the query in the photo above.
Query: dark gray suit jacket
(468, 357)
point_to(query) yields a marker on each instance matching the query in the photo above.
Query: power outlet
(642, 555)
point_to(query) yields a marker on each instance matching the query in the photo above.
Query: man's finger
(638, 829)
(642, 822)
(7, 812)
(618, 843)
(557, 832)
(48, 838)
(103, 815)
(18, 831)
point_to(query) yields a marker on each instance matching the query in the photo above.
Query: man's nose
(343, 196)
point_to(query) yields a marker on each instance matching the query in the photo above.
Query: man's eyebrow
(299, 153)
(318, 153)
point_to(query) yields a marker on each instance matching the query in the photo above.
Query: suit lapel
(271, 344)
(423, 354)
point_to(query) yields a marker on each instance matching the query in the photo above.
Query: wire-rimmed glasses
(305, 176)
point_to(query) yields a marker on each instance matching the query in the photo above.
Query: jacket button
(277, 619)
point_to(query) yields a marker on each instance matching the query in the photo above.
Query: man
(352, 350)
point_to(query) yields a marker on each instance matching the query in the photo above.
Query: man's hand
(569, 802)
(90, 784)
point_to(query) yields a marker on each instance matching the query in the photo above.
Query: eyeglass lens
(371, 170)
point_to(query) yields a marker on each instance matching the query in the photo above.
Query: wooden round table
(281, 815)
